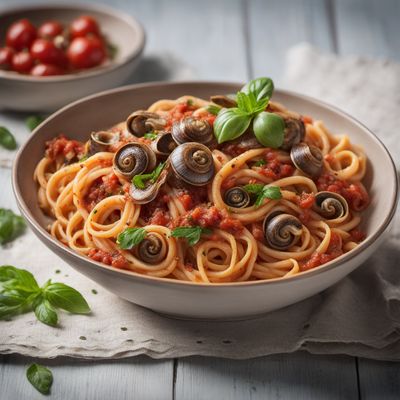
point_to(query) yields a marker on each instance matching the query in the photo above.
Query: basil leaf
(46, 313)
(130, 237)
(7, 139)
(262, 88)
(230, 124)
(34, 121)
(191, 233)
(268, 192)
(245, 102)
(11, 225)
(213, 109)
(40, 377)
(150, 135)
(254, 188)
(18, 279)
(138, 180)
(67, 298)
(269, 129)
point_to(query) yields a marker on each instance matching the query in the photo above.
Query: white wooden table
(230, 40)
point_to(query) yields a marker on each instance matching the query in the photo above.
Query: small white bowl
(195, 300)
(28, 93)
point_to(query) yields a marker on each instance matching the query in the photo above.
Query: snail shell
(99, 141)
(237, 197)
(193, 130)
(191, 163)
(141, 122)
(330, 205)
(281, 230)
(223, 101)
(164, 144)
(152, 249)
(134, 159)
(150, 192)
(293, 134)
(307, 158)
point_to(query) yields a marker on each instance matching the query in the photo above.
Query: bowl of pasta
(204, 199)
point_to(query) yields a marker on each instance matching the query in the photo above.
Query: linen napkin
(359, 316)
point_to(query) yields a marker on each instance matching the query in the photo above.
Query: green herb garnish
(191, 233)
(11, 225)
(263, 192)
(130, 237)
(7, 140)
(252, 101)
(20, 293)
(213, 109)
(40, 377)
(34, 121)
(150, 135)
(259, 163)
(84, 158)
(139, 180)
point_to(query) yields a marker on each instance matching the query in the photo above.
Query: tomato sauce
(209, 217)
(306, 200)
(334, 250)
(354, 193)
(275, 169)
(156, 212)
(100, 189)
(115, 259)
(61, 146)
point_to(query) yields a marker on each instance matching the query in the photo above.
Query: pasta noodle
(313, 219)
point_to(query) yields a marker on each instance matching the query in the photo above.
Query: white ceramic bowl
(27, 93)
(191, 300)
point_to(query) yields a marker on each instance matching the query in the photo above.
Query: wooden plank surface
(230, 40)
(290, 376)
(134, 378)
(274, 26)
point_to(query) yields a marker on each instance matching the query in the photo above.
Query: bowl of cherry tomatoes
(51, 55)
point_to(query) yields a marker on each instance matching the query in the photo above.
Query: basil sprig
(20, 293)
(7, 139)
(34, 121)
(40, 377)
(11, 225)
(191, 233)
(252, 101)
(139, 180)
(263, 192)
(130, 237)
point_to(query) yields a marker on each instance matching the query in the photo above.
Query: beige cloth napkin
(358, 316)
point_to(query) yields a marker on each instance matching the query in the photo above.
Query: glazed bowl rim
(91, 72)
(81, 259)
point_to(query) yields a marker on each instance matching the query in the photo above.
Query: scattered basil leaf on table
(34, 121)
(20, 293)
(252, 101)
(263, 192)
(191, 233)
(7, 140)
(40, 377)
(130, 237)
(139, 180)
(269, 129)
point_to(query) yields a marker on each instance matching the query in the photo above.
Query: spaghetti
(250, 212)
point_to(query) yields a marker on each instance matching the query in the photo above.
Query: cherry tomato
(20, 34)
(6, 56)
(46, 70)
(83, 26)
(86, 52)
(46, 52)
(22, 62)
(50, 29)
